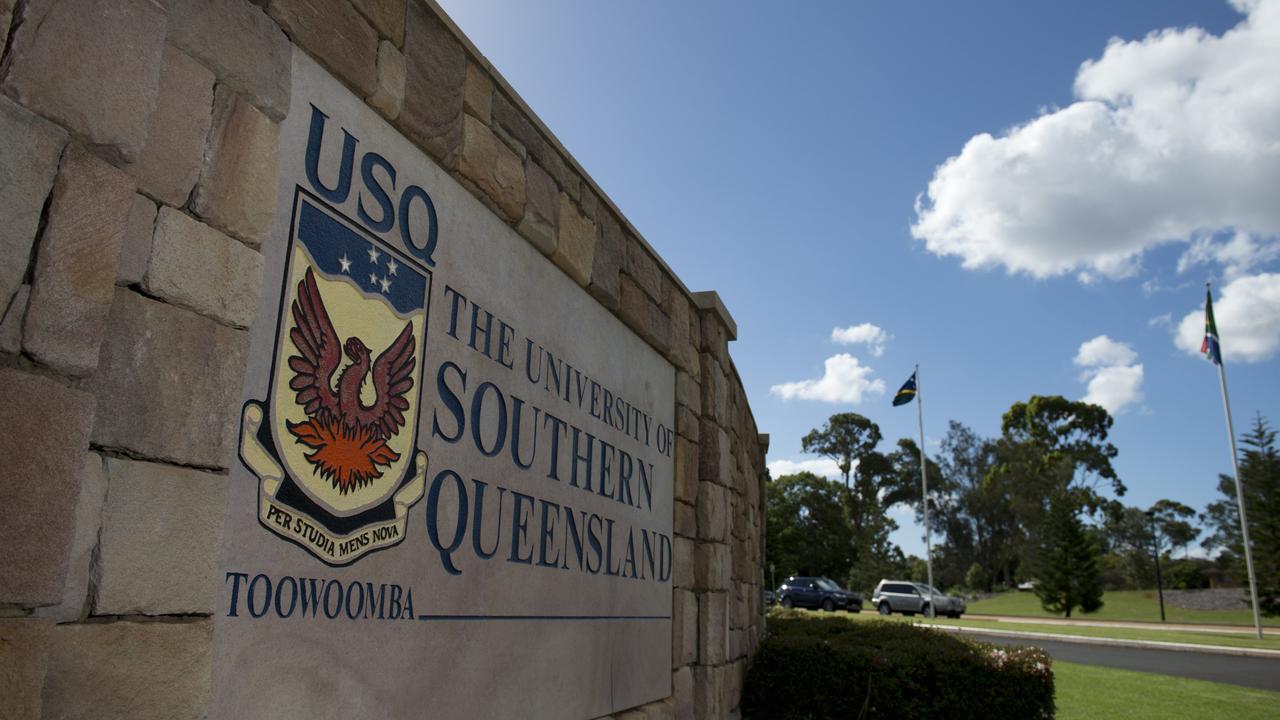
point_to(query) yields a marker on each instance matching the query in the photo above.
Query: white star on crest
(346, 263)
(373, 278)
(386, 284)
(373, 254)
(392, 266)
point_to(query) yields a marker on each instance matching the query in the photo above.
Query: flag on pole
(1210, 346)
(907, 392)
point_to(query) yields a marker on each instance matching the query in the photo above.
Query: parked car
(1027, 586)
(909, 598)
(817, 592)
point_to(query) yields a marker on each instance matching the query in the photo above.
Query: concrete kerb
(1116, 642)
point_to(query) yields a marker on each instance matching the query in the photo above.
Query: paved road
(1181, 627)
(1255, 672)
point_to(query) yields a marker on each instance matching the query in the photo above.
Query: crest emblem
(334, 444)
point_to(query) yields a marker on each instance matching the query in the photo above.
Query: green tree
(1067, 561)
(845, 437)
(1173, 526)
(973, 510)
(807, 530)
(1260, 479)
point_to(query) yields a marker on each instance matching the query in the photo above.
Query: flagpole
(1235, 465)
(924, 485)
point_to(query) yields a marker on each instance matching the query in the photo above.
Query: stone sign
(454, 488)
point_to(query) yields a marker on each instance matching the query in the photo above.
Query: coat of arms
(334, 443)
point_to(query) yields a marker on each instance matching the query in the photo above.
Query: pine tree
(1067, 562)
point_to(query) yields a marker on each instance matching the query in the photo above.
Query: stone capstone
(194, 266)
(241, 45)
(135, 670)
(76, 267)
(40, 485)
(145, 501)
(29, 150)
(607, 261)
(56, 61)
(477, 94)
(542, 207)
(11, 321)
(170, 161)
(172, 380)
(236, 192)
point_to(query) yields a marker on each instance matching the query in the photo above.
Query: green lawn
(1271, 642)
(1131, 605)
(1085, 692)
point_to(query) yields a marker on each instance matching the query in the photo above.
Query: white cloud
(1113, 373)
(1164, 321)
(845, 380)
(823, 467)
(873, 336)
(1238, 254)
(1248, 317)
(1172, 137)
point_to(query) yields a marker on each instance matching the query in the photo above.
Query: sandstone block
(477, 93)
(685, 523)
(493, 167)
(643, 315)
(140, 671)
(76, 268)
(711, 566)
(713, 512)
(336, 35)
(436, 70)
(684, 628)
(84, 540)
(6, 20)
(386, 16)
(11, 321)
(170, 161)
(575, 242)
(686, 471)
(607, 263)
(54, 63)
(643, 268)
(714, 460)
(513, 120)
(135, 251)
(540, 223)
(708, 693)
(172, 380)
(194, 266)
(688, 391)
(684, 348)
(682, 563)
(161, 531)
(244, 48)
(682, 693)
(236, 192)
(388, 98)
(39, 484)
(24, 660)
(29, 150)
(661, 710)
(686, 422)
(715, 389)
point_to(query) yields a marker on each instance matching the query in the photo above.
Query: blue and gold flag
(907, 392)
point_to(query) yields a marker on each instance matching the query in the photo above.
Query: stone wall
(138, 147)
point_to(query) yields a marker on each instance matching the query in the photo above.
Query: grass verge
(1085, 692)
(1130, 605)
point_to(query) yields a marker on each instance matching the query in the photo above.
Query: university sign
(454, 494)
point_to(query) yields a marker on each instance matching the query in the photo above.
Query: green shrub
(830, 667)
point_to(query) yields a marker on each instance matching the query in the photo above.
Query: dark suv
(817, 592)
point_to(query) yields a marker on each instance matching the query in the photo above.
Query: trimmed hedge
(813, 667)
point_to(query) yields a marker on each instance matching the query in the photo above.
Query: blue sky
(794, 162)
